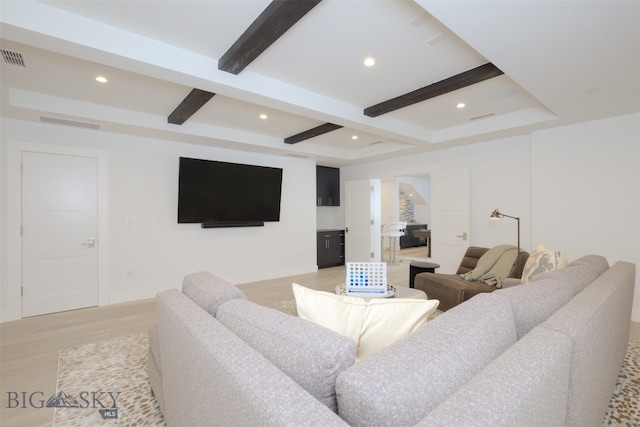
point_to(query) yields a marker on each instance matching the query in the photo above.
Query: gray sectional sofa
(546, 353)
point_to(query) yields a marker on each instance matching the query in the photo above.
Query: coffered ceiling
(516, 65)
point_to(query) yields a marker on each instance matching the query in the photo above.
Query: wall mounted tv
(221, 194)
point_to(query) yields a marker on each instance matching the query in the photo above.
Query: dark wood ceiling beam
(272, 23)
(192, 103)
(468, 78)
(319, 130)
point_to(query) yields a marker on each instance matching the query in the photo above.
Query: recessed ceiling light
(461, 105)
(354, 137)
(369, 62)
(101, 79)
(263, 116)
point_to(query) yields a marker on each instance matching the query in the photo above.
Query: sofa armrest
(211, 376)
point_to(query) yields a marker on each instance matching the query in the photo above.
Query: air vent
(376, 143)
(483, 116)
(65, 122)
(297, 156)
(13, 58)
(436, 39)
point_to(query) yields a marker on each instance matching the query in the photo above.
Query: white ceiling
(564, 62)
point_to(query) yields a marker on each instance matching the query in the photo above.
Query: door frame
(442, 243)
(11, 307)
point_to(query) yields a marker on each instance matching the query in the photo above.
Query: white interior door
(362, 220)
(450, 217)
(59, 232)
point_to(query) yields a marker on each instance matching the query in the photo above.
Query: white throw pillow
(372, 324)
(542, 260)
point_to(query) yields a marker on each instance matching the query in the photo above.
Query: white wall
(586, 190)
(500, 178)
(575, 188)
(330, 217)
(148, 250)
(389, 200)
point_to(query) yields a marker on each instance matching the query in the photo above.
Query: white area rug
(624, 406)
(90, 376)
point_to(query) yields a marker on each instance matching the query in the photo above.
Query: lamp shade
(496, 214)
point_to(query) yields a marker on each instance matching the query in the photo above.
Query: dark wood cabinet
(330, 248)
(327, 186)
(409, 240)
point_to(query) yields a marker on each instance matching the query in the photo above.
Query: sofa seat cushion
(311, 355)
(209, 291)
(402, 383)
(372, 324)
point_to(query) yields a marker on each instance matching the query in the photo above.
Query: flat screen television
(221, 194)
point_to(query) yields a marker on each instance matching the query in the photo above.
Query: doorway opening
(407, 199)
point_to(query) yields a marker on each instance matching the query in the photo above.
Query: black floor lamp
(497, 215)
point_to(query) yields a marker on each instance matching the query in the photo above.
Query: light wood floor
(29, 347)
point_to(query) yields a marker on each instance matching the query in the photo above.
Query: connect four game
(366, 278)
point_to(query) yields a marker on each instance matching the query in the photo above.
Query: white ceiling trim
(88, 39)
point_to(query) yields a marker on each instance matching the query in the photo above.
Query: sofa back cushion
(527, 385)
(597, 322)
(400, 384)
(577, 274)
(533, 303)
(209, 291)
(311, 355)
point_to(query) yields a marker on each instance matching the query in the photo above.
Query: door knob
(91, 242)
(463, 236)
